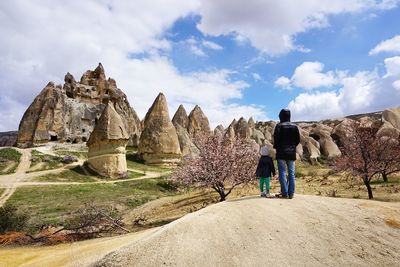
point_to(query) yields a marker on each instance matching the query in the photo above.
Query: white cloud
(392, 66)
(212, 45)
(315, 106)
(256, 77)
(359, 93)
(197, 51)
(308, 76)
(390, 45)
(271, 26)
(283, 82)
(48, 38)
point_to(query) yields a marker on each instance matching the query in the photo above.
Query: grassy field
(79, 154)
(9, 160)
(50, 204)
(41, 161)
(134, 162)
(78, 174)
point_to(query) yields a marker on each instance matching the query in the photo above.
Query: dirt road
(305, 231)
(10, 180)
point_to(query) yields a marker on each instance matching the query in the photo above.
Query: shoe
(262, 194)
(280, 195)
(291, 196)
(268, 195)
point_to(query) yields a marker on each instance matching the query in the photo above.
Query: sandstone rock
(251, 123)
(181, 122)
(159, 143)
(8, 138)
(219, 130)
(322, 134)
(257, 136)
(392, 116)
(387, 129)
(242, 129)
(186, 145)
(107, 144)
(181, 118)
(309, 146)
(341, 131)
(69, 114)
(198, 123)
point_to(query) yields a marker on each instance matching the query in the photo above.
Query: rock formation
(181, 122)
(68, 113)
(159, 143)
(107, 144)
(8, 138)
(322, 134)
(198, 123)
(242, 129)
(219, 130)
(181, 118)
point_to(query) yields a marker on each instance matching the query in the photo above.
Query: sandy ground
(75, 254)
(304, 231)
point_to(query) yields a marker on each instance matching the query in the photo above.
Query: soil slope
(307, 230)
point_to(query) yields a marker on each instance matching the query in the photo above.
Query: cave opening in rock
(53, 137)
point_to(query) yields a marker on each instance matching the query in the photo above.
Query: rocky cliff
(69, 113)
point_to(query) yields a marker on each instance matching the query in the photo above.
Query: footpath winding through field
(21, 178)
(252, 231)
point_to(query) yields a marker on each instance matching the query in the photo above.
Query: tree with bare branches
(366, 155)
(221, 164)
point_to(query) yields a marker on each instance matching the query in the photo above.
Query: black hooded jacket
(286, 137)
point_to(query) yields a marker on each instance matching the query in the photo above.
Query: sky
(320, 58)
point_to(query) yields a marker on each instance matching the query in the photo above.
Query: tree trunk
(385, 178)
(366, 182)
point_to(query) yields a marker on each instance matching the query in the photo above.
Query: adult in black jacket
(286, 138)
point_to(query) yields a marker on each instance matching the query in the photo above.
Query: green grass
(78, 174)
(9, 160)
(2, 190)
(50, 204)
(48, 162)
(79, 154)
(134, 162)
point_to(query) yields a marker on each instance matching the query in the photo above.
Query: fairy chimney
(159, 144)
(107, 145)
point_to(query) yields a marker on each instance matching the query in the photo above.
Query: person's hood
(284, 115)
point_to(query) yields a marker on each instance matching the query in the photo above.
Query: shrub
(11, 219)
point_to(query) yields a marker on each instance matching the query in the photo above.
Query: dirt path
(11, 180)
(22, 178)
(305, 231)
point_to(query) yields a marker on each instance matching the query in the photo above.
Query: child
(264, 170)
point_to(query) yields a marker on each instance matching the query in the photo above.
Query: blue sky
(322, 59)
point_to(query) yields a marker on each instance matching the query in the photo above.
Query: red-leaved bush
(221, 164)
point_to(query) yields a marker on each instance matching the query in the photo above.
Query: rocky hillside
(68, 113)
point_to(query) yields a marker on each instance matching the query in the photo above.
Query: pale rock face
(187, 146)
(198, 123)
(242, 129)
(181, 122)
(251, 123)
(219, 131)
(159, 143)
(107, 155)
(258, 136)
(392, 116)
(310, 148)
(341, 130)
(181, 118)
(69, 113)
(322, 134)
